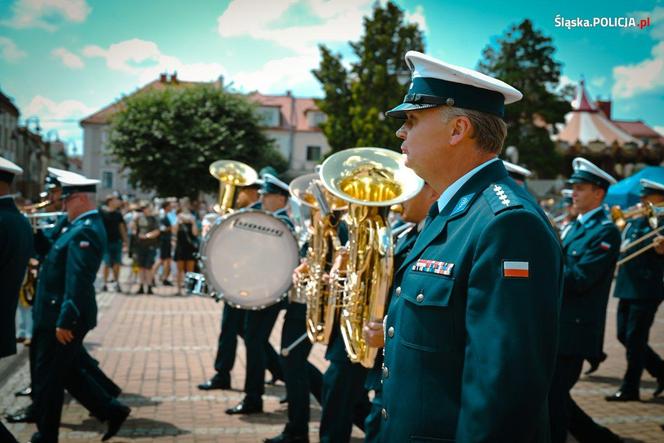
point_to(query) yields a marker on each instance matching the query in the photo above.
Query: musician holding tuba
(640, 288)
(472, 327)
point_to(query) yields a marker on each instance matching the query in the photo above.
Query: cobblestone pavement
(159, 347)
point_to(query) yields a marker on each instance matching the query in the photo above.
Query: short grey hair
(489, 131)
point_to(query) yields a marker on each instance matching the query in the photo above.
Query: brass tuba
(230, 174)
(323, 242)
(370, 180)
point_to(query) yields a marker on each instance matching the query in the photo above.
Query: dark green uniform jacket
(641, 278)
(15, 250)
(472, 326)
(591, 251)
(65, 292)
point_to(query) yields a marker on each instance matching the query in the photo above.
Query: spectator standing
(116, 232)
(146, 229)
(186, 241)
(165, 243)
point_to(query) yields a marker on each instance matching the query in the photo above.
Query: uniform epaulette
(501, 198)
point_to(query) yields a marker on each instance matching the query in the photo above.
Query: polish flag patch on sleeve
(605, 246)
(515, 269)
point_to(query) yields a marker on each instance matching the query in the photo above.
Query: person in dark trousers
(15, 250)
(591, 249)
(65, 310)
(640, 289)
(116, 230)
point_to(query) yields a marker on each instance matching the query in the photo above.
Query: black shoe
(623, 396)
(660, 387)
(167, 283)
(283, 400)
(140, 290)
(594, 364)
(25, 415)
(150, 290)
(115, 422)
(245, 408)
(285, 437)
(105, 287)
(214, 383)
(25, 392)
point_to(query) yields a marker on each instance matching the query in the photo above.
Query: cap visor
(399, 112)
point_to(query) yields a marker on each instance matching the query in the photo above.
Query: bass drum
(248, 258)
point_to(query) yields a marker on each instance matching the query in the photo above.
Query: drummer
(258, 324)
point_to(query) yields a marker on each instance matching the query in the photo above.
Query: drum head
(249, 257)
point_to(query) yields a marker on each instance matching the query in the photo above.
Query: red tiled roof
(103, 116)
(637, 129)
(298, 119)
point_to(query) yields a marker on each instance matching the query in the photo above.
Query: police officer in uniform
(471, 329)
(43, 241)
(591, 248)
(640, 288)
(414, 213)
(65, 310)
(258, 324)
(15, 251)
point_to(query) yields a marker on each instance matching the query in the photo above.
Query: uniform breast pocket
(426, 322)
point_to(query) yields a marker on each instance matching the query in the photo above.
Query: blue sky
(64, 59)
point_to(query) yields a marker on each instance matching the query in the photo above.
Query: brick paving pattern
(159, 347)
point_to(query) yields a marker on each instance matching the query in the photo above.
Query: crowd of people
(491, 314)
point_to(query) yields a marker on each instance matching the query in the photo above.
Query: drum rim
(203, 257)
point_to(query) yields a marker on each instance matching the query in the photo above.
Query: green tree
(523, 57)
(355, 99)
(167, 138)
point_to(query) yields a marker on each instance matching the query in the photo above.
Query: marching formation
(453, 307)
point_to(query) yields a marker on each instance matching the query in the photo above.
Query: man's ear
(461, 128)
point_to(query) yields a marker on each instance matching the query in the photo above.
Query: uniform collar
(584, 218)
(85, 214)
(7, 197)
(451, 190)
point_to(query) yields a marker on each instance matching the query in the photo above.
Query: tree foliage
(356, 98)
(167, 138)
(524, 58)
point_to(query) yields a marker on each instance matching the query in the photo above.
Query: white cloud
(60, 116)
(9, 51)
(338, 21)
(278, 75)
(144, 59)
(41, 13)
(68, 58)
(647, 75)
(417, 17)
(656, 21)
(660, 129)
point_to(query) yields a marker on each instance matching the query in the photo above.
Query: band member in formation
(518, 173)
(15, 251)
(591, 248)
(414, 212)
(44, 238)
(471, 329)
(65, 310)
(258, 324)
(232, 321)
(640, 288)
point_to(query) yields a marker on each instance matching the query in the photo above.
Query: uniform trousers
(564, 413)
(6, 436)
(635, 317)
(374, 419)
(232, 325)
(257, 328)
(57, 367)
(345, 401)
(302, 378)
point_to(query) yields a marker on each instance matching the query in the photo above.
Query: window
(313, 153)
(107, 180)
(269, 116)
(315, 118)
